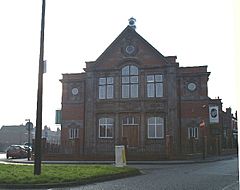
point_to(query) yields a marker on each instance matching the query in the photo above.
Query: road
(220, 175)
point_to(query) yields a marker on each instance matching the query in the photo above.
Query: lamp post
(38, 134)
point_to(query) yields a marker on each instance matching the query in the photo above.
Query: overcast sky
(198, 32)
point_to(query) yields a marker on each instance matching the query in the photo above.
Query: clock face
(192, 86)
(74, 91)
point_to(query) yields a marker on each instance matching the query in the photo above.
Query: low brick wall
(130, 155)
(101, 157)
(229, 151)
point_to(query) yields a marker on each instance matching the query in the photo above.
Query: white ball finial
(131, 22)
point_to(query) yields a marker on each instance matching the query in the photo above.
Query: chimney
(229, 111)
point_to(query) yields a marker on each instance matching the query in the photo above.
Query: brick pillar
(169, 146)
(219, 147)
(205, 146)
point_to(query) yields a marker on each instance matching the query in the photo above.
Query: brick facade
(134, 95)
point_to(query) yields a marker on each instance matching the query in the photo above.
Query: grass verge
(60, 174)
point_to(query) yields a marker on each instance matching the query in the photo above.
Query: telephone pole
(38, 133)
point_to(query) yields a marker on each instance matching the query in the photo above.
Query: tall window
(155, 127)
(105, 128)
(154, 86)
(73, 133)
(130, 82)
(105, 88)
(193, 132)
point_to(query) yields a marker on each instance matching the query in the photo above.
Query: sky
(198, 32)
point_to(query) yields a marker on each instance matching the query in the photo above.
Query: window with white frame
(130, 82)
(130, 120)
(155, 127)
(105, 88)
(193, 132)
(105, 128)
(154, 86)
(73, 133)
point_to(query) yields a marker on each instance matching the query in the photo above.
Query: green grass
(51, 173)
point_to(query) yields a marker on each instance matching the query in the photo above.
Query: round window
(192, 86)
(130, 49)
(74, 91)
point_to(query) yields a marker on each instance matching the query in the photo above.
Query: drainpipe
(84, 119)
(180, 115)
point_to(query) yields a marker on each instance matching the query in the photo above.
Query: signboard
(44, 66)
(213, 114)
(29, 126)
(58, 117)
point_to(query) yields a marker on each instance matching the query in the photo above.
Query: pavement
(165, 162)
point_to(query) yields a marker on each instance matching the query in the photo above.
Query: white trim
(193, 132)
(155, 124)
(73, 133)
(106, 125)
(128, 88)
(104, 91)
(154, 87)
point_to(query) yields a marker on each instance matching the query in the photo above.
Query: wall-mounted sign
(58, 117)
(213, 114)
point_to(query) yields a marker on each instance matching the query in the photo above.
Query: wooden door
(131, 132)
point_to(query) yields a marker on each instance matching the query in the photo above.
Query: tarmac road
(219, 175)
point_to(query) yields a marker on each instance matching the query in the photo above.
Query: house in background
(230, 129)
(134, 95)
(12, 134)
(52, 137)
(18, 134)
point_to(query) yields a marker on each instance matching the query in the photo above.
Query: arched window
(73, 133)
(105, 128)
(130, 82)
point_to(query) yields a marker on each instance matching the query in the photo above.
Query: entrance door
(131, 132)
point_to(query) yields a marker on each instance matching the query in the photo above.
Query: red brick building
(134, 95)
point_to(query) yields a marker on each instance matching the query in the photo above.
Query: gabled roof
(124, 33)
(128, 31)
